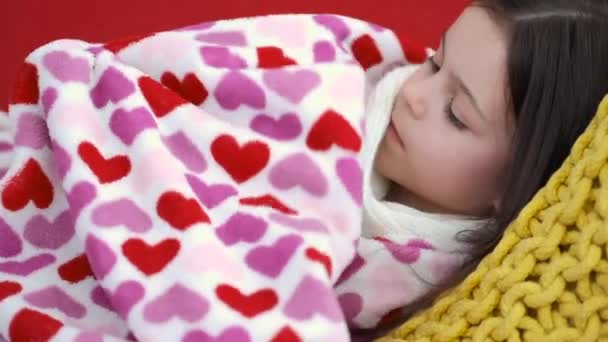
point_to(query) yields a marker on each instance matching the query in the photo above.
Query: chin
(382, 165)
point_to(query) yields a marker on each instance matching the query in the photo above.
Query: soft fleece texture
(202, 183)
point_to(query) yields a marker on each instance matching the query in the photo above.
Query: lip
(394, 134)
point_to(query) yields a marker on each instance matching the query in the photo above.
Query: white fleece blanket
(202, 184)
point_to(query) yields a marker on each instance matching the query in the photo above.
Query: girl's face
(448, 141)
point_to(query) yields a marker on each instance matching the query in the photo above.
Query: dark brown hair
(557, 69)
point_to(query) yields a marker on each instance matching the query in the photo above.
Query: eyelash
(448, 109)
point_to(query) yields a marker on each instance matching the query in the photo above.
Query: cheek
(456, 172)
(431, 145)
(477, 179)
(471, 166)
(439, 162)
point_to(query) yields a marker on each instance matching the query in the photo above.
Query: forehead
(476, 51)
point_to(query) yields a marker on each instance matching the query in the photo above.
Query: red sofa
(27, 24)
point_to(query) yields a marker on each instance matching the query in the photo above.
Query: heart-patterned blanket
(198, 184)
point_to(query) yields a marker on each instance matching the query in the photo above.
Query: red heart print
(191, 88)
(366, 51)
(26, 85)
(76, 270)
(241, 163)
(161, 99)
(9, 288)
(332, 128)
(106, 170)
(286, 335)
(249, 306)
(314, 255)
(180, 212)
(31, 183)
(268, 201)
(273, 57)
(413, 51)
(119, 44)
(30, 325)
(150, 259)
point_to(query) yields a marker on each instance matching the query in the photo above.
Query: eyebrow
(461, 84)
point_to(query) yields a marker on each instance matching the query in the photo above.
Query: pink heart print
(178, 301)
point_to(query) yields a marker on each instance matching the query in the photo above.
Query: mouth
(394, 134)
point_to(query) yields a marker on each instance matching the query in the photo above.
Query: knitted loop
(547, 279)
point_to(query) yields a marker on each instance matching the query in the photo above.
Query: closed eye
(451, 117)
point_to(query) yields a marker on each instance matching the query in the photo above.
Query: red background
(27, 24)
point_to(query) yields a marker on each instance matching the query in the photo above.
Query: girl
(474, 132)
(456, 145)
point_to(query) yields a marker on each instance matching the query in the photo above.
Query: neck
(398, 194)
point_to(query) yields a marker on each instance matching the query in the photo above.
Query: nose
(415, 94)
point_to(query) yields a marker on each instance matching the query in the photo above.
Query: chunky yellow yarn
(547, 280)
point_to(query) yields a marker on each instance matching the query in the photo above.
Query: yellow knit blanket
(547, 280)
